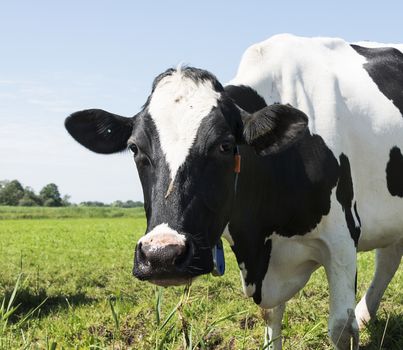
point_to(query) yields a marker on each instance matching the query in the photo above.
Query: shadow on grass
(393, 338)
(29, 300)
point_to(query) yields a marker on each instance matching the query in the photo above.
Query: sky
(58, 57)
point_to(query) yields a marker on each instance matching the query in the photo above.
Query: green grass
(78, 263)
(11, 213)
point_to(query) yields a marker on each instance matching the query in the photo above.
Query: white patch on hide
(248, 289)
(227, 236)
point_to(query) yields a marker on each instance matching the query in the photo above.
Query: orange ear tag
(237, 167)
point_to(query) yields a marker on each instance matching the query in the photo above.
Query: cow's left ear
(100, 131)
(274, 128)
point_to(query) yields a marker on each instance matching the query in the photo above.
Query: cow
(318, 126)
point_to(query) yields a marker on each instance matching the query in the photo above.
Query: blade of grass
(13, 294)
(158, 297)
(224, 318)
(7, 312)
(166, 335)
(30, 313)
(169, 317)
(384, 332)
(216, 322)
(114, 313)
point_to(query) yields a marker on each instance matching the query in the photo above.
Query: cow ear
(100, 131)
(274, 128)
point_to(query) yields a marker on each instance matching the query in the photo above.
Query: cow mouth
(170, 282)
(180, 272)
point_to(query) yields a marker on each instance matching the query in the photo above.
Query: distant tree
(118, 204)
(30, 198)
(92, 204)
(3, 183)
(27, 202)
(50, 196)
(127, 204)
(132, 204)
(11, 192)
(66, 200)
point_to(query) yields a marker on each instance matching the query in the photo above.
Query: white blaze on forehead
(178, 105)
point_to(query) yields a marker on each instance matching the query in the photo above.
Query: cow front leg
(341, 270)
(387, 262)
(272, 334)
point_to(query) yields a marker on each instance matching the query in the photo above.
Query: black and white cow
(311, 190)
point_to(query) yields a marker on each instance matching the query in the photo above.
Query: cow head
(183, 143)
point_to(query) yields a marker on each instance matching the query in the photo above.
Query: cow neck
(218, 249)
(237, 167)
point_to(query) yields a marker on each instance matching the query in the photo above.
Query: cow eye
(134, 149)
(226, 147)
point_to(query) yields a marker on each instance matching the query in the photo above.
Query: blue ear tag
(218, 259)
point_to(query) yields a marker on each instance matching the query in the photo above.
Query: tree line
(13, 193)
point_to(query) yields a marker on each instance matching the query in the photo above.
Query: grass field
(75, 264)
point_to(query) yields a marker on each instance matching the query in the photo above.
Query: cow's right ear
(100, 131)
(274, 128)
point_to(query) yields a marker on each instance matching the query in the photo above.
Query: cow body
(363, 127)
(311, 192)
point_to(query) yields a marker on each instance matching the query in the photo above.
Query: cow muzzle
(161, 257)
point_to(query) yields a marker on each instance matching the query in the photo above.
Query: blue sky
(58, 57)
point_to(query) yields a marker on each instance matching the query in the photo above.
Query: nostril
(182, 256)
(140, 253)
(180, 259)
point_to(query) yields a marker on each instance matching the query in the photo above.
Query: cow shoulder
(304, 177)
(299, 180)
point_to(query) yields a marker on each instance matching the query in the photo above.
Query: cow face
(183, 143)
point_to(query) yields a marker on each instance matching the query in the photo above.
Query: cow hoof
(344, 333)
